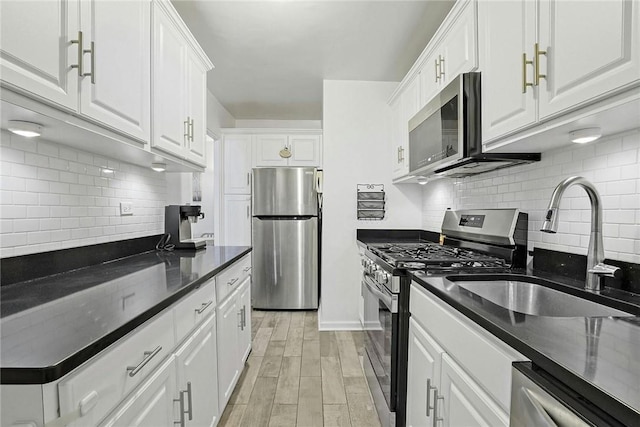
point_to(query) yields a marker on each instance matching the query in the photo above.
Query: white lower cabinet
(458, 373)
(234, 327)
(228, 367)
(198, 377)
(152, 404)
(462, 402)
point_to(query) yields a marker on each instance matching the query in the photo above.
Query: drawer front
(232, 277)
(194, 308)
(97, 387)
(486, 358)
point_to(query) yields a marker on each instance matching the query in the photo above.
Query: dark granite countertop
(53, 324)
(599, 357)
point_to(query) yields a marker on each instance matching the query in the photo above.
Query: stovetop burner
(435, 257)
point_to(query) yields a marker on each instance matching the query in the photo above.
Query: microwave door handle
(535, 412)
(386, 299)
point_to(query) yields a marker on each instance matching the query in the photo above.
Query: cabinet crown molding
(269, 131)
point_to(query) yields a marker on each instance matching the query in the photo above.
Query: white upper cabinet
(268, 150)
(287, 150)
(179, 87)
(454, 51)
(40, 49)
(115, 89)
(237, 163)
(541, 59)
(507, 33)
(592, 49)
(237, 220)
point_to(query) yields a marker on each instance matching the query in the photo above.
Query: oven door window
(378, 325)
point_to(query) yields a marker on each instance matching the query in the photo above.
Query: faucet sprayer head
(550, 224)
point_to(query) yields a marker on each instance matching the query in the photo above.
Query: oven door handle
(390, 301)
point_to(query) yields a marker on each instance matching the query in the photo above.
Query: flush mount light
(26, 129)
(582, 136)
(422, 180)
(159, 167)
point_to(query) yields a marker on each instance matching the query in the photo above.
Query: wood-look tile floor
(298, 376)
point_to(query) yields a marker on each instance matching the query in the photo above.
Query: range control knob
(384, 277)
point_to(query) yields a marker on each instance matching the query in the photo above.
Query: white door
(396, 138)
(198, 375)
(460, 47)
(36, 53)
(430, 83)
(244, 305)
(305, 150)
(267, 148)
(464, 403)
(410, 104)
(423, 376)
(228, 326)
(507, 31)
(151, 404)
(170, 124)
(237, 220)
(593, 48)
(117, 92)
(197, 106)
(237, 164)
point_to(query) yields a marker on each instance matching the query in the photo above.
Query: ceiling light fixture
(422, 180)
(26, 129)
(158, 166)
(108, 171)
(582, 136)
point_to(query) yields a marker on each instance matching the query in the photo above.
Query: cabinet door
(396, 138)
(463, 402)
(586, 61)
(410, 104)
(36, 54)
(460, 47)
(151, 404)
(197, 106)
(169, 87)
(507, 31)
(227, 337)
(118, 91)
(237, 220)
(198, 375)
(423, 375)
(244, 305)
(305, 150)
(266, 150)
(430, 84)
(237, 164)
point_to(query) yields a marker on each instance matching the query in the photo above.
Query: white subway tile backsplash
(54, 196)
(613, 165)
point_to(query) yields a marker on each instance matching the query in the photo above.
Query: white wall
(613, 165)
(286, 124)
(217, 116)
(54, 196)
(357, 150)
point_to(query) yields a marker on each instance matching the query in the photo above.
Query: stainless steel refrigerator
(285, 239)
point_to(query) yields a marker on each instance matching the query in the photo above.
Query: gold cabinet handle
(437, 73)
(525, 84)
(440, 62)
(537, 76)
(186, 129)
(92, 74)
(78, 41)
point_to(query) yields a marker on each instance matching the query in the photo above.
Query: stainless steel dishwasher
(537, 399)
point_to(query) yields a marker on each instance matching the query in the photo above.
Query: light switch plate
(126, 208)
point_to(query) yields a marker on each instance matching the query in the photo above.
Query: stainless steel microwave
(445, 136)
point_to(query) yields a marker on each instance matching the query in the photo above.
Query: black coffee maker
(177, 223)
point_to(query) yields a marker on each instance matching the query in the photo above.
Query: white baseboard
(340, 326)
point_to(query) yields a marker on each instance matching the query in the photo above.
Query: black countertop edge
(43, 375)
(600, 399)
(379, 235)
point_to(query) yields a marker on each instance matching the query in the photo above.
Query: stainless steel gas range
(476, 241)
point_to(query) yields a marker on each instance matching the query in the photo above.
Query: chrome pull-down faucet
(595, 255)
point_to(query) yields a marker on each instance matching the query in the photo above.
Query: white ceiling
(270, 57)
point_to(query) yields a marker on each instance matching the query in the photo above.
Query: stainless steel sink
(537, 300)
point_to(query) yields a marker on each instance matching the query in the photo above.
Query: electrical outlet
(126, 208)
